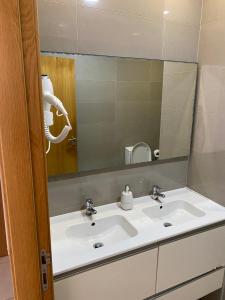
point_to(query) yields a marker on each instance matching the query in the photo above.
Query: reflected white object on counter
(141, 152)
(50, 100)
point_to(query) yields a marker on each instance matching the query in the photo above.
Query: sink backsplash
(67, 195)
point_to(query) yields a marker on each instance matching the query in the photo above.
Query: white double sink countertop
(75, 235)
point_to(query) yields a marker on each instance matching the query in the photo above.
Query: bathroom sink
(173, 213)
(99, 233)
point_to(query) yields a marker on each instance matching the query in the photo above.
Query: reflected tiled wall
(161, 29)
(96, 127)
(179, 80)
(207, 171)
(118, 105)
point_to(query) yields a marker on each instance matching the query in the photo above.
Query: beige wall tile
(110, 33)
(209, 132)
(156, 91)
(89, 113)
(89, 67)
(184, 12)
(213, 10)
(212, 43)
(181, 30)
(57, 25)
(98, 157)
(148, 9)
(131, 69)
(95, 91)
(133, 91)
(91, 147)
(179, 67)
(180, 42)
(156, 70)
(206, 175)
(211, 89)
(96, 133)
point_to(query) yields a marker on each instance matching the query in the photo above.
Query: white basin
(103, 232)
(173, 213)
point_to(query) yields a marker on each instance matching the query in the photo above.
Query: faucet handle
(156, 188)
(89, 201)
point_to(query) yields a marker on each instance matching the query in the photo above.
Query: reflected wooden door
(62, 158)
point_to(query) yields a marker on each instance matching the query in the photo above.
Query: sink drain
(167, 224)
(98, 245)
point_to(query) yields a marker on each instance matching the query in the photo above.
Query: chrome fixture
(156, 194)
(90, 208)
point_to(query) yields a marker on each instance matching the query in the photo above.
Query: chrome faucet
(89, 206)
(156, 194)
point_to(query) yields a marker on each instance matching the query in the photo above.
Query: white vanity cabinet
(188, 269)
(131, 278)
(187, 258)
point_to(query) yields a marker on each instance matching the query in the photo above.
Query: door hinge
(45, 261)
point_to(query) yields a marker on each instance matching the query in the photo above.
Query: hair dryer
(50, 100)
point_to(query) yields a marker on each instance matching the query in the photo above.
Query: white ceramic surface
(121, 231)
(174, 213)
(109, 231)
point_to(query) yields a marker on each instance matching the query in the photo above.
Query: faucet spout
(156, 195)
(90, 210)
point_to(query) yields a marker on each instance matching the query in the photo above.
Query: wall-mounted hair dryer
(50, 100)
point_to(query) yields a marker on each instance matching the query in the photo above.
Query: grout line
(200, 30)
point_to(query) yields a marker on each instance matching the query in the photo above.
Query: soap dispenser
(126, 198)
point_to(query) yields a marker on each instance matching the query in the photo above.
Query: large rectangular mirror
(123, 111)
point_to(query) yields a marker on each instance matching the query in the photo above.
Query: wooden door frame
(22, 156)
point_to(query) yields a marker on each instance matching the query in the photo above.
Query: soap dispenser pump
(127, 198)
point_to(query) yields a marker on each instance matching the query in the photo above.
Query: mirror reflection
(105, 112)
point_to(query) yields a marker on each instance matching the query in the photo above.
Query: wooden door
(62, 158)
(22, 150)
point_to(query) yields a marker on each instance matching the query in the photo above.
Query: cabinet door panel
(198, 288)
(190, 257)
(131, 278)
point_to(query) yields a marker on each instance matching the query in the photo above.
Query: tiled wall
(162, 29)
(118, 105)
(69, 194)
(207, 167)
(179, 80)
